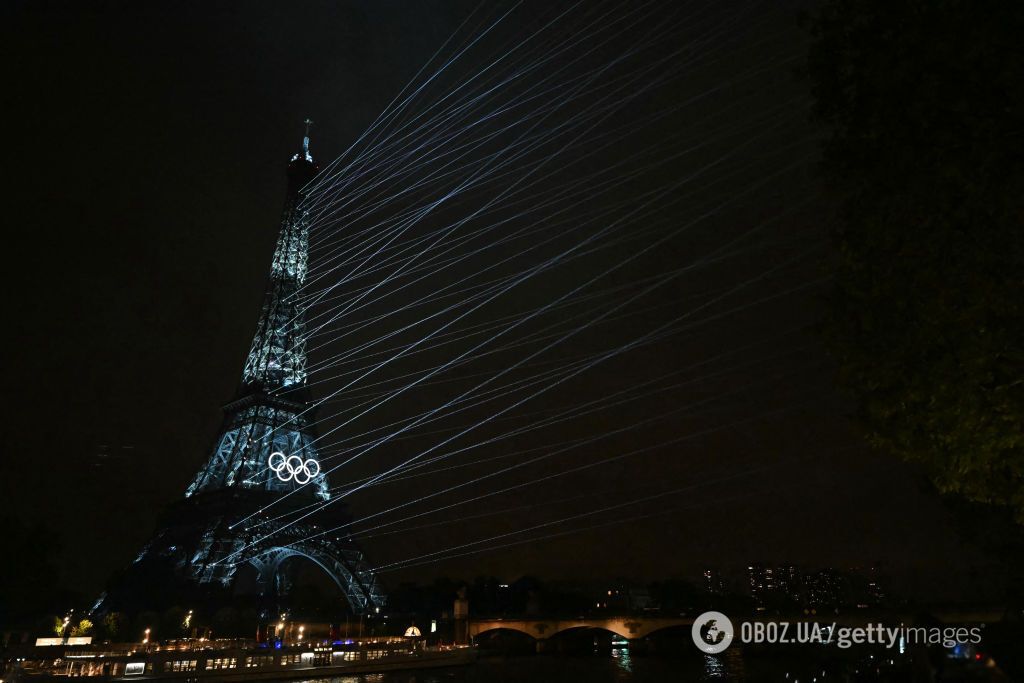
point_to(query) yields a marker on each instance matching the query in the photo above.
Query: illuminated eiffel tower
(265, 448)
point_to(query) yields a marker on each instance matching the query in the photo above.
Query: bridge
(628, 627)
(637, 627)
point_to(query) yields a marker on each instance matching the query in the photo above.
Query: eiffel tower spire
(277, 357)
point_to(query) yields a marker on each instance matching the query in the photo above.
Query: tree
(82, 628)
(29, 586)
(675, 595)
(924, 104)
(113, 624)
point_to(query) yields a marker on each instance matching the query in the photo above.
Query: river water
(617, 667)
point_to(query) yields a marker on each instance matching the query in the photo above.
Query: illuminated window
(221, 663)
(182, 665)
(260, 660)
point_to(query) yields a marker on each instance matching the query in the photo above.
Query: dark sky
(146, 146)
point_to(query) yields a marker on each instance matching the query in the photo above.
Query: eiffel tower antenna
(305, 139)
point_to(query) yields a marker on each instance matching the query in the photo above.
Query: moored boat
(230, 661)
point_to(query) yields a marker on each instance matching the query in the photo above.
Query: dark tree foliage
(28, 574)
(676, 596)
(924, 102)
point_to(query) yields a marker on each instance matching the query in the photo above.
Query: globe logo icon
(712, 632)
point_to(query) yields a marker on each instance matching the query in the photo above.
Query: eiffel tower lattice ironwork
(265, 448)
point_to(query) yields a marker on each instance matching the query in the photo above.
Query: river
(617, 667)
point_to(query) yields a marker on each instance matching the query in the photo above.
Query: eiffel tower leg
(266, 567)
(347, 567)
(284, 580)
(274, 580)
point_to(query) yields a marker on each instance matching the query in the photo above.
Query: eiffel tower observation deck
(265, 449)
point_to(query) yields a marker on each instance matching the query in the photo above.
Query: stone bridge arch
(628, 627)
(497, 629)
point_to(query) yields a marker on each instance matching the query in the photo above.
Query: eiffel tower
(264, 449)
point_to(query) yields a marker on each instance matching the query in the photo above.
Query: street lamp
(145, 639)
(65, 630)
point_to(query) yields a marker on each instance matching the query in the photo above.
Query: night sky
(147, 145)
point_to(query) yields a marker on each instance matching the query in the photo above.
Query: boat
(229, 661)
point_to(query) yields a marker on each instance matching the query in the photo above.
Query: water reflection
(714, 668)
(621, 657)
(617, 664)
(361, 678)
(727, 666)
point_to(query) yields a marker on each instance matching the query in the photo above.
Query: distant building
(713, 582)
(768, 584)
(827, 587)
(866, 586)
(624, 597)
(756, 580)
(875, 593)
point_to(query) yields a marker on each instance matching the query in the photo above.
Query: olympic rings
(292, 467)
